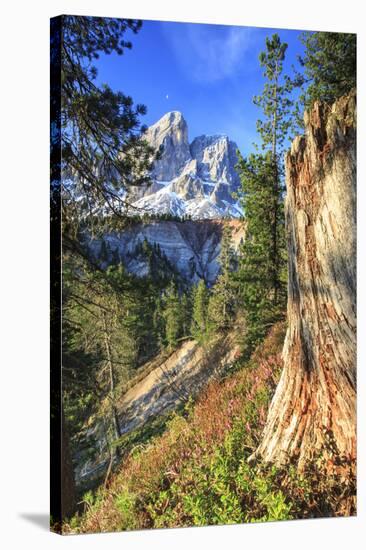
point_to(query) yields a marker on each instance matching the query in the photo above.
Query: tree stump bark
(315, 400)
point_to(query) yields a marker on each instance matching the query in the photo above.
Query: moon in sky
(167, 96)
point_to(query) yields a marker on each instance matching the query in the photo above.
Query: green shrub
(125, 503)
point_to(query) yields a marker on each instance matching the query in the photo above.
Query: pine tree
(221, 308)
(158, 321)
(116, 258)
(255, 274)
(261, 273)
(186, 312)
(104, 252)
(329, 64)
(200, 325)
(275, 99)
(99, 129)
(172, 316)
(277, 108)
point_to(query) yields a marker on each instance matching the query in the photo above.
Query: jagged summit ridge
(170, 132)
(194, 179)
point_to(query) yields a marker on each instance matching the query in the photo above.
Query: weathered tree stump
(315, 400)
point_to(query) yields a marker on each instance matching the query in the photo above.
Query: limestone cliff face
(315, 401)
(191, 247)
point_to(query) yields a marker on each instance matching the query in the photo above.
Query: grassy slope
(197, 472)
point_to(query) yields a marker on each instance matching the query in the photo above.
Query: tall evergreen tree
(259, 296)
(221, 308)
(172, 316)
(274, 101)
(158, 321)
(200, 324)
(273, 130)
(262, 265)
(186, 312)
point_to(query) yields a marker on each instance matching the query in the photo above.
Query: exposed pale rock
(216, 158)
(170, 132)
(192, 247)
(188, 187)
(167, 381)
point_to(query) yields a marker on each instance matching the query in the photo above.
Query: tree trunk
(315, 402)
(68, 492)
(117, 429)
(275, 251)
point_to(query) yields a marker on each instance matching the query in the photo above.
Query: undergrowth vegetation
(197, 472)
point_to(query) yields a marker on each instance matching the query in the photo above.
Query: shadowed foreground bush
(197, 472)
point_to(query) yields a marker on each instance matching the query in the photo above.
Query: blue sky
(208, 72)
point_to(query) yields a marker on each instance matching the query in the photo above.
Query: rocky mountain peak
(217, 157)
(174, 117)
(170, 133)
(172, 123)
(194, 179)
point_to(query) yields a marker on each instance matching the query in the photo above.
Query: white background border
(24, 284)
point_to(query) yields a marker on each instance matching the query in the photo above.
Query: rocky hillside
(191, 247)
(194, 179)
(166, 382)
